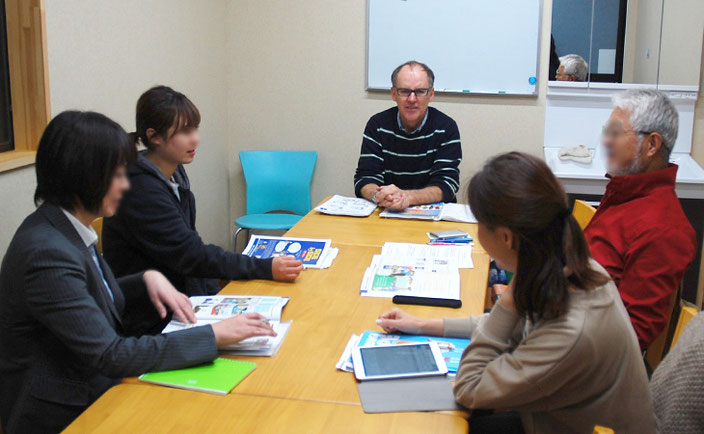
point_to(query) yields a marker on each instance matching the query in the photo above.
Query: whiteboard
(472, 46)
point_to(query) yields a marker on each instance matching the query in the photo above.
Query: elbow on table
(464, 392)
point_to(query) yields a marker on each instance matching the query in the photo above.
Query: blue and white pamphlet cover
(311, 252)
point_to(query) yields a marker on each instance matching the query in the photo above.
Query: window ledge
(13, 159)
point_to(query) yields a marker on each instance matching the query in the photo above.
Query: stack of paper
(451, 348)
(417, 270)
(211, 309)
(456, 212)
(451, 212)
(349, 206)
(313, 253)
(454, 256)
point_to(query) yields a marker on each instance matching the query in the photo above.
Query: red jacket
(642, 237)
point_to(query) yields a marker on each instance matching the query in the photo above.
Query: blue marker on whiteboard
(502, 91)
(465, 91)
(532, 80)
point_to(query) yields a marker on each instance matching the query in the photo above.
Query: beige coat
(564, 375)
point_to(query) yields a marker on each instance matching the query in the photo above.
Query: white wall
(104, 54)
(683, 26)
(298, 75)
(16, 193)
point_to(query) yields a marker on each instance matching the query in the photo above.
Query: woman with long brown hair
(558, 347)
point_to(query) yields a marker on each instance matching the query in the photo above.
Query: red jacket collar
(623, 188)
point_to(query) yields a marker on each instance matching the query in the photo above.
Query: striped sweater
(427, 157)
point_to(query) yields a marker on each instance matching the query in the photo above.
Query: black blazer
(154, 229)
(62, 341)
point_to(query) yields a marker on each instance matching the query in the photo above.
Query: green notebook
(220, 376)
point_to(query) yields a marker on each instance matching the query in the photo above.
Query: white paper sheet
(348, 206)
(462, 255)
(457, 212)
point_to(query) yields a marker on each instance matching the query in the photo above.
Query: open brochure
(451, 348)
(214, 308)
(314, 253)
(451, 212)
(347, 206)
(419, 277)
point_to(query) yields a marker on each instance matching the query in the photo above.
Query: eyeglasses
(420, 93)
(612, 132)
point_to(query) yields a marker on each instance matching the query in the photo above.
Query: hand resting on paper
(398, 321)
(240, 327)
(286, 268)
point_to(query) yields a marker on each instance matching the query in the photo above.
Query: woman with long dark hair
(62, 325)
(558, 347)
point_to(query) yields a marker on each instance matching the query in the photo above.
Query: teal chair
(278, 189)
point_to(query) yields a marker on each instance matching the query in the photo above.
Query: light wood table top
(300, 388)
(326, 309)
(373, 230)
(144, 408)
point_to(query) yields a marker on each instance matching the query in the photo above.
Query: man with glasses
(410, 153)
(640, 233)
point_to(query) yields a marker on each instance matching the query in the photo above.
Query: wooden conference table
(299, 389)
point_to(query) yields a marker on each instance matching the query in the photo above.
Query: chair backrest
(98, 227)
(659, 347)
(583, 213)
(687, 312)
(278, 180)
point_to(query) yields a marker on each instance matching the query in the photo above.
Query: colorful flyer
(312, 252)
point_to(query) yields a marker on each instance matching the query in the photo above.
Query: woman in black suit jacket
(62, 335)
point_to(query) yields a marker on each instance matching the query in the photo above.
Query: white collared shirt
(87, 233)
(89, 238)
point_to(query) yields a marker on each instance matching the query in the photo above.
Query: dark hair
(77, 157)
(161, 108)
(412, 63)
(518, 191)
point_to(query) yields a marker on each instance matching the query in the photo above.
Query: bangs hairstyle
(77, 157)
(162, 108)
(520, 192)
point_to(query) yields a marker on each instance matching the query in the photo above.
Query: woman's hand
(286, 268)
(162, 292)
(506, 299)
(240, 327)
(397, 320)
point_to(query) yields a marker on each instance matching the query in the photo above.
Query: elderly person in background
(411, 152)
(640, 233)
(572, 68)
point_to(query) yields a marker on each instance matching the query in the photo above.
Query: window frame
(29, 79)
(5, 84)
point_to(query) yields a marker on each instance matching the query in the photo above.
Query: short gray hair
(650, 111)
(575, 65)
(413, 64)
